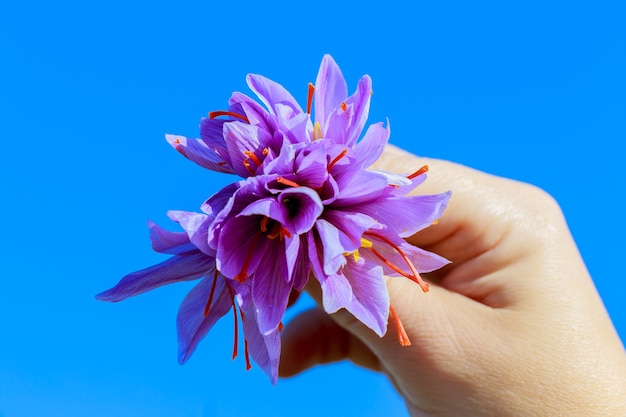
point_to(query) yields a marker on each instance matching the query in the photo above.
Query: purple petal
(330, 89)
(192, 325)
(178, 268)
(333, 251)
(242, 138)
(405, 216)
(196, 225)
(303, 206)
(263, 349)
(370, 299)
(359, 187)
(240, 247)
(361, 290)
(302, 268)
(197, 151)
(351, 227)
(172, 243)
(271, 289)
(345, 126)
(371, 147)
(271, 93)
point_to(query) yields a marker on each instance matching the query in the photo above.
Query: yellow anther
(365, 243)
(317, 131)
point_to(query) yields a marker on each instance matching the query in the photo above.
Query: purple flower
(307, 206)
(245, 138)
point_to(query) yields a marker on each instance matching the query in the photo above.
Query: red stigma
(309, 101)
(414, 276)
(218, 113)
(419, 172)
(236, 331)
(337, 158)
(344, 106)
(403, 338)
(251, 155)
(207, 307)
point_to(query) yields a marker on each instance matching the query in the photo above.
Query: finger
(313, 338)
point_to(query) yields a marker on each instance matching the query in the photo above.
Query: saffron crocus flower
(307, 206)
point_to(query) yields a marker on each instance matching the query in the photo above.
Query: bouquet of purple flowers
(307, 206)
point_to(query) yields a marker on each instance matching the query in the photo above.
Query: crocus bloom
(307, 206)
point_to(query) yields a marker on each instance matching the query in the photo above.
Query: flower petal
(371, 147)
(333, 251)
(191, 323)
(263, 349)
(164, 241)
(199, 152)
(196, 225)
(331, 89)
(271, 93)
(271, 289)
(185, 267)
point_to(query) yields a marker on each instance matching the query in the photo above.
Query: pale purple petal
(333, 251)
(172, 243)
(185, 267)
(199, 152)
(263, 349)
(331, 89)
(405, 216)
(241, 138)
(196, 225)
(371, 147)
(361, 290)
(345, 123)
(359, 187)
(191, 323)
(271, 93)
(370, 299)
(351, 226)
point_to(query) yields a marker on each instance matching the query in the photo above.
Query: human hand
(512, 327)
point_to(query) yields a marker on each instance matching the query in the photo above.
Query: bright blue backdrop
(530, 90)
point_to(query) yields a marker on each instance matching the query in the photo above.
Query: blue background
(530, 90)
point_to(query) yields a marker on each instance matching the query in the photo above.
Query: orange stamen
(207, 307)
(241, 276)
(309, 101)
(265, 151)
(317, 131)
(403, 338)
(419, 172)
(337, 158)
(264, 222)
(252, 155)
(246, 163)
(285, 181)
(414, 276)
(219, 113)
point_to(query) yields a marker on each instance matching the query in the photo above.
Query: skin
(512, 327)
